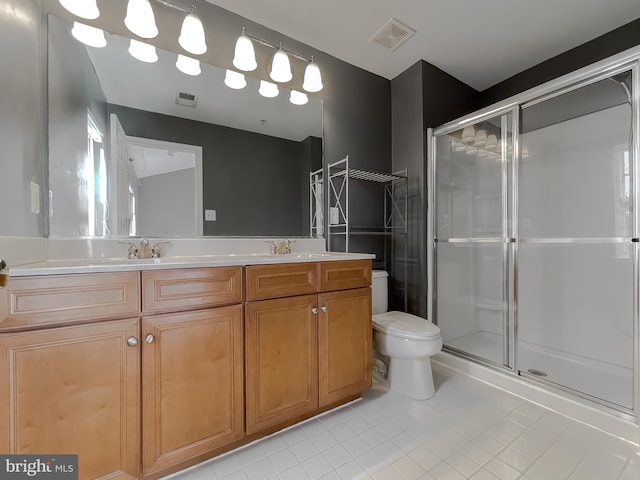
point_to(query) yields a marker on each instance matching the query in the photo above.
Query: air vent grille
(392, 34)
(186, 99)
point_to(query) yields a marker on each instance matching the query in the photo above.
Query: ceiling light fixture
(268, 89)
(235, 80)
(245, 56)
(280, 67)
(82, 8)
(144, 52)
(91, 36)
(298, 98)
(312, 77)
(188, 65)
(140, 19)
(192, 37)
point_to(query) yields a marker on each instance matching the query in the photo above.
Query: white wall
(22, 114)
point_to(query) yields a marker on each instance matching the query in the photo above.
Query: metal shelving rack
(339, 176)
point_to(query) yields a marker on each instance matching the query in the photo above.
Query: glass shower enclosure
(534, 229)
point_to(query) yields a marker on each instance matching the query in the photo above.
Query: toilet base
(412, 377)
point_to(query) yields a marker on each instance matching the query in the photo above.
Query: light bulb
(492, 143)
(280, 67)
(480, 139)
(192, 35)
(234, 80)
(298, 98)
(268, 89)
(312, 78)
(245, 56)
(143, 51)
(140, 19)
(91, 36)
(82, 8)
(188, 65)
(468, 134)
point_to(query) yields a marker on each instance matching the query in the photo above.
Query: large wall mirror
(143, 149)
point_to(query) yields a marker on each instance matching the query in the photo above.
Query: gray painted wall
(423, 96)
(253, 181)
(22, 116)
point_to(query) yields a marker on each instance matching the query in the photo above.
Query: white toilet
(408, 341)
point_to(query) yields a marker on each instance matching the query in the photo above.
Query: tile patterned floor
(468, 430)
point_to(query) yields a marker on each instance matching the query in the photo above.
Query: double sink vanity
(144, 367)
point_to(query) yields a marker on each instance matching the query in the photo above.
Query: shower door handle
(635, 240)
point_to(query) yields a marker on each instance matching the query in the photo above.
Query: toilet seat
(405, 325)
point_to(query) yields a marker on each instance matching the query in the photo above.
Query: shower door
(577, 245)
(472, 233)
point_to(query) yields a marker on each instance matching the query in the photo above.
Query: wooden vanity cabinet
(305, 352)
(192, 365)
(73, 389)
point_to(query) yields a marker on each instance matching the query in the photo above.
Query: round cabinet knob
(314, 310)
(132, 341)
(324, 309)
(150, 338)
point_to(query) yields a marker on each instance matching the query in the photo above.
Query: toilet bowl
(409, 342)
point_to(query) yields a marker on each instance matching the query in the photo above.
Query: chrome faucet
(280, 248)
(4, 272)
(144, 250)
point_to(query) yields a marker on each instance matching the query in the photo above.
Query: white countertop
(98, 265)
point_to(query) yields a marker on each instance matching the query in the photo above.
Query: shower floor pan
(603, 381)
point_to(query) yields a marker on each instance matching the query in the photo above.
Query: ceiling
(480, 43)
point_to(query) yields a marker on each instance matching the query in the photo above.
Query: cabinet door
(74, 390)
(282, 360)
(191, 384)
(344, 343)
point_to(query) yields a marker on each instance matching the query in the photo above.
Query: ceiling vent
(186, 99)
(392, 34)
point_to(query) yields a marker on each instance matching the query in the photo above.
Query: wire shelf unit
(339, 220)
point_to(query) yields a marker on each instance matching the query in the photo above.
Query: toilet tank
(379, 291)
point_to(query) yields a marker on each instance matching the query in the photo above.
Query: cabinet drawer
(180, 289)
(54, 299)
(282, 280)
(345, 274)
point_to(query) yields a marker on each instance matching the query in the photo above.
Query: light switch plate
(210, 215)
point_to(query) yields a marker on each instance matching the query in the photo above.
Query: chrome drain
(537, 373)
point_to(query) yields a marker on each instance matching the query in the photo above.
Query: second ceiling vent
(392, 34)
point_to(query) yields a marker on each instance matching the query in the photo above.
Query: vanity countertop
(97, 265)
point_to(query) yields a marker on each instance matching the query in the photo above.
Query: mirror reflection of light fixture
(280, 67)
(188, 65)
(82, 8)
(235, 80)
(140, 19)
(91, 36)
(480, 139)
(144, 52)
(245, 56)
(312, 77)
(268, 89)
(192, 35)
(492, 143)
(468, 134)
(298, 98)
